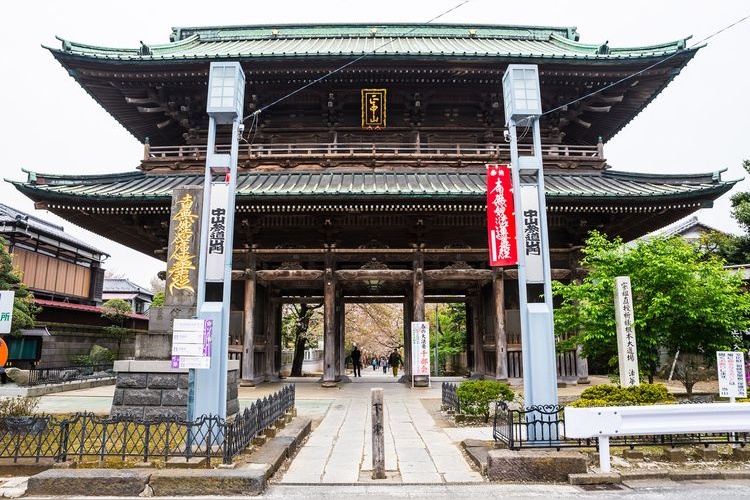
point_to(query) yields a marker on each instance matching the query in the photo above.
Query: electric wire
(353, 61)
(657, 63)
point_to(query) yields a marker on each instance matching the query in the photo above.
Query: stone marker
(378, 441)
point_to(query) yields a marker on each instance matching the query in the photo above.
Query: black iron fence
(86, 436)
(450, 398)
(544, 427)
(58, 375)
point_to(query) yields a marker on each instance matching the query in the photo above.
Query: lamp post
(523, 108)
(226, 91)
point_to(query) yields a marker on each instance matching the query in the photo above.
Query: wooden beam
(270, 275)
(482, 275)
(374, 274)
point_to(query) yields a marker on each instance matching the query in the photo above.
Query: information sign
(191, 343)
(731, 368)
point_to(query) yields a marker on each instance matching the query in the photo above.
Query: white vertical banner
(6, 310)
(217, 232)
(626, 348)
(531, 232)
(420, 348)
(731, 369)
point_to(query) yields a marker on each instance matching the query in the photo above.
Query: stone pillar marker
(378, 439)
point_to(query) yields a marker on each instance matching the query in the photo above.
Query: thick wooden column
(418, 308)
(478, 334)
(248, 334)
(330, 361)
(340, 335)
(501, 338)
(272, 327)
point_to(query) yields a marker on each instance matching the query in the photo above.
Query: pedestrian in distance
(375, 364)
(395, 361)
(383, 364)
(357, 361)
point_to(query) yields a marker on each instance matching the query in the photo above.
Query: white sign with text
(731, 368)
(626, 349)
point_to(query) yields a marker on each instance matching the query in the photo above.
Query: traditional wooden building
(338, 204)
(65, 276)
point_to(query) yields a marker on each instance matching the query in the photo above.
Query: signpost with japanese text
(191, 343)
(731, 368)
(420, 349)
(626, 349)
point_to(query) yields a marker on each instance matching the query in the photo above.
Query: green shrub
(614, 395)
(475, 396)
(18, 406)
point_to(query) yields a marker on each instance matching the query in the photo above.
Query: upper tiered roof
(157, 91)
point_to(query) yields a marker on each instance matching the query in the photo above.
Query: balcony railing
(330, 154)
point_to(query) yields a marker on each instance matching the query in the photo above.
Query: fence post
(378, 441)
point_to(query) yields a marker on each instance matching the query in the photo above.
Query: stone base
(709, 454)
(534, 465)
(676, 455)
(150, 389)
(741, 453)
(632, 455)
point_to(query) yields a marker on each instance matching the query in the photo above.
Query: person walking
(383, 364)
(357, 361)
(395, 361)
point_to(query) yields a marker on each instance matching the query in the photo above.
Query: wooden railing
(155, 155)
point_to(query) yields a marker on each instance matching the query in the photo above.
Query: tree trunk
(300, 340)
(299, 356)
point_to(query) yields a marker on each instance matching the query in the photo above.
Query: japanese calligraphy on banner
(731, 368)
(191, 343)
(626, 349)
(373, 108)
(420, 348)
(532, 234)
(181, 267)
(217, 233)
(501, 222)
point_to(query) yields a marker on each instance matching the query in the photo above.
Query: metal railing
(61, 374)
(353, 150)
(449, 397)
(86, 436)
(544, 427)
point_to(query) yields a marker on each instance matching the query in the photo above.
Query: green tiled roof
(392, 40)
(469, 185)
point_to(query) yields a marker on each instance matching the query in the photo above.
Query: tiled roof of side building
(9, 215)
(346, 40)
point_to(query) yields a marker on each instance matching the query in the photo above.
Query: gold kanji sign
(373, 108)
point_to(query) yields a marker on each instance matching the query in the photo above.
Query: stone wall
(67, 341)
(149, 389)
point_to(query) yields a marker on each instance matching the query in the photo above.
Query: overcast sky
(700, 122)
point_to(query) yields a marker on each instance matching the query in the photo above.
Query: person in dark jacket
(394, 360)
(357, 361)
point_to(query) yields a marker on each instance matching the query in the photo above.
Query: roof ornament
(145, 50)
(603, 49)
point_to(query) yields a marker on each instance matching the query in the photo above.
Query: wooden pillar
(330, 360)
(478, 337)
(418, 309)
(340, 335)
(272, 325)
(248, 335)
(501, 338)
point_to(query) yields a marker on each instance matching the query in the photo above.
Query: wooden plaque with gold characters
(373, 108)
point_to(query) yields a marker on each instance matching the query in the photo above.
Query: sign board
(420, 348)
(6, 310)
(532, 234)
(501, 219)
(626, 348)
(217, 232)
(731, 368)
(191, 343)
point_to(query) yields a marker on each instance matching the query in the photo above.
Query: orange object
(3, 352)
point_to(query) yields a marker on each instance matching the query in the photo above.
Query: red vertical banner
(501, 222)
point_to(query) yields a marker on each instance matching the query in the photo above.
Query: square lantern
(226, 95)
(521, 93)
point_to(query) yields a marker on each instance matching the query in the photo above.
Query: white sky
(698, 124)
